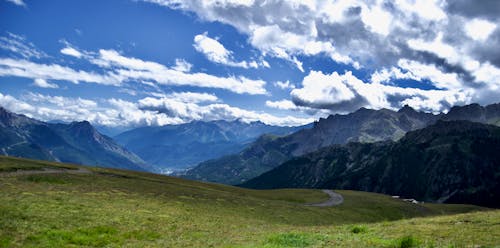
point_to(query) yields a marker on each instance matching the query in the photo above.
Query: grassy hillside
(121, 208)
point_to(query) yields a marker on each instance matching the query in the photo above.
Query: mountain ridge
(76, 142)
(449, 161)
(364, 125)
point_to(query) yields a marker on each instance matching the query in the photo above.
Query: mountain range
(176, 147)
(364, 125)
(449, 161)
(76, 142)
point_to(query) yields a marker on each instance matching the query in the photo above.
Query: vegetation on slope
(121, 208)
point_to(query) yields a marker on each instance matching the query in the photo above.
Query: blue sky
(156, 62)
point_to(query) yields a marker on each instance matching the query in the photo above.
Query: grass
(116, 208)
(10, 164)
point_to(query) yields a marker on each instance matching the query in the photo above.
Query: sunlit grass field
(114, 208)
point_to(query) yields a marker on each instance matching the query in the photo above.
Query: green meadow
(116, 208)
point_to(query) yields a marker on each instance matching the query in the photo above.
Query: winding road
(335, 199)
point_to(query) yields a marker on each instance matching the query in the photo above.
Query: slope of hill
(450, 161)
(180, 146)
(363, 125)
(77, 142)
(114, 208)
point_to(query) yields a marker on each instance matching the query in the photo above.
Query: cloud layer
(453, 45)
(117, 69)
(173, 108)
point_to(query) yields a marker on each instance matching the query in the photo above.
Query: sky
(133, 63)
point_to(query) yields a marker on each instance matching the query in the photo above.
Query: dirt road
(335, 199)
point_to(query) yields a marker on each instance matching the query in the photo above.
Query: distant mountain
(269, 151)
(364, 125)
(450, 161)
(180, 146)
(111, 131)
(77, 142)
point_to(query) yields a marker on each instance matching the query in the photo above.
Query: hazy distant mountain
(450, 161)
(180, 146)
(364, 125)
(77, 142)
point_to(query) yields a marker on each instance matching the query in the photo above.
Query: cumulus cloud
(323, 91)
(346, 93)
(217, 53)
(478, 29)
(173, 108)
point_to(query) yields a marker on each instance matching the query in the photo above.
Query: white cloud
(437, 46)
(192, 97)
(367, 34)
(482, 72)
(212, 48)
(427, 9)
(272, 40)
(71, 52)
(45, 107)
(60, 101)
(42, 83)
(174, 108)
(17, 2)
(217, 53)
(478, 29)
(27, 69)
(298, 63)
(377, 19)
(117, 70)
(136, 69)
(282, 104)
(284, 85)
(440, 79)
(182, 65)
(346, 93)
(218, 111)
(19, 46)
(15, 105)
(384, 75)
(320, 89)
